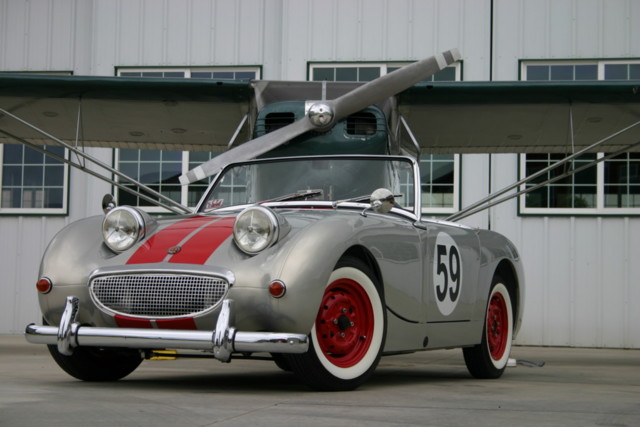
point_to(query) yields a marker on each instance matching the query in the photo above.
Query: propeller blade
(391, 84)
(248, 150)
(325, 113)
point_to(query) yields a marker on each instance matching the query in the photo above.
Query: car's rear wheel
(489, 358)
(97, 364)
(349, 331)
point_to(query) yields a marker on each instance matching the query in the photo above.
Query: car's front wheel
(349, 331)
(489, 358)
(97, 364)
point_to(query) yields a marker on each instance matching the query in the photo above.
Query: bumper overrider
(223, 341)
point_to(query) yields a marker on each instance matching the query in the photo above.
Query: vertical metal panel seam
(545, 291)
(213, 13)
(436, 27)
(49, 32)
(25, 35)
(628, 31)
(410, 29)
(263, 32)
(385, 31)
(626, 330)
(118, 41)
(599, 338)
(360, 32)
(547, 29)
(73, 34)
(17, 276)
(165, 33)
(309, 36)
(237, 31)
(601, 29)
(189, 36)
(573, 284)
(283, 38)
(334, 24)
(3, 34)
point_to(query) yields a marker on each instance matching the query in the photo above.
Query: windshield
(312, 179)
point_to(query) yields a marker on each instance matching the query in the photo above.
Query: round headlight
(122, 228)
(255, 229)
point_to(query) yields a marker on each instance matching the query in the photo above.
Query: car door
(451, 265)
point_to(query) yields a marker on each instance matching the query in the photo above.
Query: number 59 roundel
(447, 273)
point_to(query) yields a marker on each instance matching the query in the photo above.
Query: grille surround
(158, 295)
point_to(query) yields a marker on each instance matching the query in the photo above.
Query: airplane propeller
(324, 114)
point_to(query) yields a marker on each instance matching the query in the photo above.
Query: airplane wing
(124, 112)
(494, 117)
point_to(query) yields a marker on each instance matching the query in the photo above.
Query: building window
(31, 182)
(580, 70)
(358, 72)
(439, 172)
(609, 187)
(215, 73)
(160, 169)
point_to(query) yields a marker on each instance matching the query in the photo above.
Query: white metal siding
(582, 272)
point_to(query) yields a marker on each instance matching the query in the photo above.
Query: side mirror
(382, 200)
(108, 203)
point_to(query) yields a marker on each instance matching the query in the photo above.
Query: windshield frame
(414, 214)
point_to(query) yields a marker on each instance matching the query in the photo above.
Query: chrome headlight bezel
(129, 232)
(255, 229)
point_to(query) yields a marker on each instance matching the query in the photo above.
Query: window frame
(599, 63)
(600, 209)
(185, 159)
(384, 67)
(62, 211)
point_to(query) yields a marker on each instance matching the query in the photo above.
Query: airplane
(246, 119)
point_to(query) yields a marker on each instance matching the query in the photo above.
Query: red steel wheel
(489, 358)
(348, 334)
(497, 326)
(344, 326)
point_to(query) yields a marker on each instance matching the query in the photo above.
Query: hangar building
(579, 236)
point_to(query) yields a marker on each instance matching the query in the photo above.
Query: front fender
(306, 265)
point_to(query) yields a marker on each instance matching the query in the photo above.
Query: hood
(189, 240)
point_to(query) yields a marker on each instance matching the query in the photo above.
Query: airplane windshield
(312, 179)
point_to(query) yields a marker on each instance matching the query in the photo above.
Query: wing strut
(484, 203)
(165, 202)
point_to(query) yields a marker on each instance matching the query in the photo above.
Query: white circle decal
(447, 273)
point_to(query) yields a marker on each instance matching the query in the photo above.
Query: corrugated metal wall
(581, 272)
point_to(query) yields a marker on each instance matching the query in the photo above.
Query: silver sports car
(322, 263)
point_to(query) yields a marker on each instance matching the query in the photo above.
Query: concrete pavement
(575, 387)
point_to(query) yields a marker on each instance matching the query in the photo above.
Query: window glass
(602, 188)
(622, 181)
(616, 72)
(538, 72)
(439, 180)
(160, 169)
(31, 181)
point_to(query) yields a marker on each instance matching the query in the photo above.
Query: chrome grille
(158, 294)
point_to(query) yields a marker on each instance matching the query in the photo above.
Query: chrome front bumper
(223, 341)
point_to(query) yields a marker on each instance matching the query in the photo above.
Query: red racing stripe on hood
(155, 248)
(200, 247)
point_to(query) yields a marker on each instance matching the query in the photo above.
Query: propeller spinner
(323, 115)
